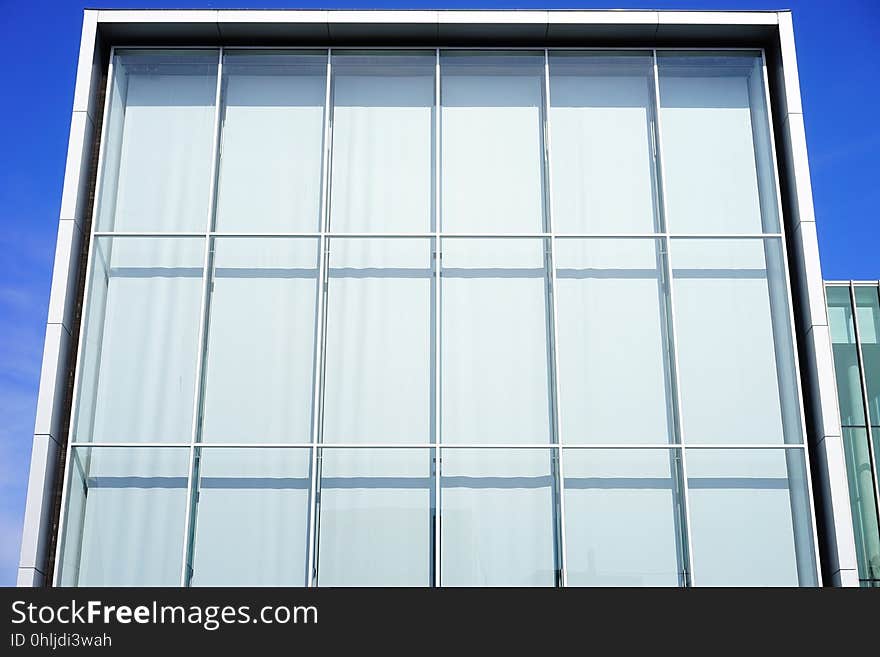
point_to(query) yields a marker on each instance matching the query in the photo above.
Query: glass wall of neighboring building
(438, 318)
(854, 317)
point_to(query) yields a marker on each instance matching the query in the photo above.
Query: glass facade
(437, 318)
(854, 318)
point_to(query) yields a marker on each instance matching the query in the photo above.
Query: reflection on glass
(259, 362)
(624, 518)
(863, 502)
(138, 369)
(601, 122)
(379, 379)
(156, 174)
(612, 326)
(498, 523)
(272, 136)
(717, 157)
(491, 141)
(251, 522)
(868, 309)
(125, 514)
(734, 343)
(495, 377)
(375, 517)
(846, 359)
(750, 518)
(383, 148)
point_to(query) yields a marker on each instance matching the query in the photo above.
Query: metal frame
(554, 319)
(535, 236)
(438, 325)
(678, 431)
(605, 446)
(663, 237)
(792, 329)
(77, 376)
(320, 342)
(204, 310)
(537, 50)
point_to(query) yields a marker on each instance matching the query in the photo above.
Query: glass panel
(846, 359)
(735, 349)
(868, 309)
(498, 523)
(717, 155)
(623, 518)
(750, 518)
(383, 149)
(379, 375)
(141, 340)
(614, 375)
(491, 140)
(863, 502)
(124, 518)
(375, 517)
(601, 123)
(159, 141)
(272, 138)
(252, 517)
(495, 344)
(259, 363)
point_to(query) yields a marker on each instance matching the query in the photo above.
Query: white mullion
(431, 445)
(203, 332)
(865, 404)
(311, 580)
(83, 319)
(791, 321)
(672, 346)
(554, 319)
(527, 236)
(437, 323)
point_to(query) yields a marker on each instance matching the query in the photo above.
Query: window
(252, 517)
(260, 352)
(272, 138)
(140, 345)
(160, 132)
(750, 518)
(491, 127)
(601, 131)
(734, 342)
(379, 373)
(615, 382)
(126, 514)
(375, 517)
(715, 141)
(624, 521)
(498, 526)
(450, 317)
(383, 150)
(495, 378)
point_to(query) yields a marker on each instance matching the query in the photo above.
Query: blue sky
(838, 50)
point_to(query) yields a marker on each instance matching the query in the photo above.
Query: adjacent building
(854, 316)
(445, 299)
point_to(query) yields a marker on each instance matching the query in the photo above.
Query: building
(854, 317)
(437, 298)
